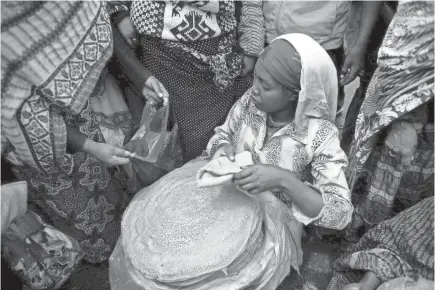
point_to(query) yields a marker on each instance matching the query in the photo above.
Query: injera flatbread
(175, 231)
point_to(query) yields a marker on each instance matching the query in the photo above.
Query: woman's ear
(292, 94)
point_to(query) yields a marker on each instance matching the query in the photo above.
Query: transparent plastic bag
(150, 140)
(42, 256)
(156, 151)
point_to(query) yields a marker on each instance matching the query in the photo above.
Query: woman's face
(268, 95)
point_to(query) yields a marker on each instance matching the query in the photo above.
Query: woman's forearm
(369, 15)
(77, 141)
(131, 66)
(306, 198)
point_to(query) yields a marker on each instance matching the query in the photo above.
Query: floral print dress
(317, 160)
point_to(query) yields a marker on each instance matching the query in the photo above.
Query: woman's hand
(106, 153)
(227, 150)
(248, 64)
(127, 31)
(402, 142)
(154, 92)
(258, 178)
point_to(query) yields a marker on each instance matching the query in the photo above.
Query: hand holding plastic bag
(149, 140)
(155, 150)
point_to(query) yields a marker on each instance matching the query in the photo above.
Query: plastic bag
(40, 255)
(156, 150)
(150, 140)
(266, 270)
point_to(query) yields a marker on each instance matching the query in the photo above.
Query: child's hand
(227, 150)
(256, 179)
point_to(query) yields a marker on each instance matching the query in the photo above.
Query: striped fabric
(400, 247)
(251, 27)
(52, 56)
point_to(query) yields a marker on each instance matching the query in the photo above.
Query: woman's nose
(255, 89)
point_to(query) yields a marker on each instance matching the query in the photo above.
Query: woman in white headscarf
(284, 120)
(284, 123)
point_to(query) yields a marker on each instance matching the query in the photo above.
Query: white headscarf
(319, 82)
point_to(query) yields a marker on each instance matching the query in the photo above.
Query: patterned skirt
(381, 191)
(88, 202)
(400, 247)
(202, 81)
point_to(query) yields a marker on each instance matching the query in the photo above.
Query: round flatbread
(175, 231)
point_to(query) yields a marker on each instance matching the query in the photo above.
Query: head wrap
(282, 62)
(318, 77)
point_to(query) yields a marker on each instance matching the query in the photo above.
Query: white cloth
(14, 202)
(220, 171)
(319, 83)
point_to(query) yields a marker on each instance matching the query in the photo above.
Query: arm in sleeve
(328, 165)
(225, 134)
(251, 27)
(136, 72)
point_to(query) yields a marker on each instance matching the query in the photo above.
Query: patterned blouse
(189, 21)
(319, 162)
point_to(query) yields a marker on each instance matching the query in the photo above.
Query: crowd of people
(266, 77)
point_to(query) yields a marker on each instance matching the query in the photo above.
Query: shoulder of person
(320, 131)
(245, 101)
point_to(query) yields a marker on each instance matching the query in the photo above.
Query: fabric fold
(220, 171)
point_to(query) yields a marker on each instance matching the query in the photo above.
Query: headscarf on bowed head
(283, 63)
(300, 62)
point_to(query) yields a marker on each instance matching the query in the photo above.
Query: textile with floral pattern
(402, 88)
(317, 159)
(53, 54)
